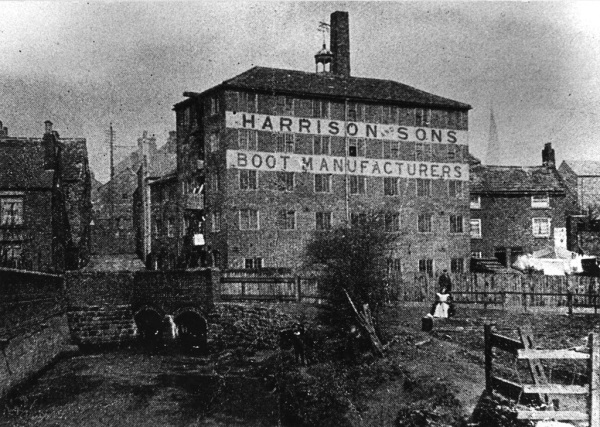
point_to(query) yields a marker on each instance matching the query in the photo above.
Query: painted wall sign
(326, 127)
(280, 162)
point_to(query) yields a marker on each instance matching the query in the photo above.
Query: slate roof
(584, 167)
(22, 165)
(515, 180)
(73, 159)
(265, 79)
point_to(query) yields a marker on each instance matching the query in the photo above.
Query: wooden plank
(535, 366)
(488, 353)
(551, 354)
(507, 388)
(594, 368)
(552, 415)
(505, 343)
(554, 389)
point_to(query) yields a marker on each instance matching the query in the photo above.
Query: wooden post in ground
(570, 302)
(487, 330)
(594, 369)
(298, 289)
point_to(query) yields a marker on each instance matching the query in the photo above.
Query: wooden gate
(551, 394)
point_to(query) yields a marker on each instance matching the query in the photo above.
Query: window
(391, 149)
(358, 184)
(285, 181)
(322, 109)
(423, 152)
(214, 105)
(475, 202)
(249, 219)
(216, 182)
(424, 223)
(285, 143)
(391, 222)
(540, 201)
(423, 187)
(285, 105)
(248, 180)
(322, 183)
(247, 139)
(323, 221)
(452, 152)
(213, 142)
(394, 265)
(422, 117)
(357, 147)
(358, 219)
(286, 219)
(541, 227)
(321, 145)
(457, 265)
(455, 188)
(10, 254)
(215, 221)
(390, 186)
(426, 266)
(253, 263)
(456, 223)
(11, 211)
(247, 102)
(475, 228)
(355, 112)
(170, 228)
(477, 254)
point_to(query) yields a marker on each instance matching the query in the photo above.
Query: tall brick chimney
(548, 155)
(340, 43)
(49, 146)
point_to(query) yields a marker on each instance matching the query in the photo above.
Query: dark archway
(149, 323)
(192, 331)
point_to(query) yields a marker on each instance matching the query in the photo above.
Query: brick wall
(33, 324)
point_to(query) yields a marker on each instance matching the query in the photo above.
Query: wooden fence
(549, 393)
(508, 291)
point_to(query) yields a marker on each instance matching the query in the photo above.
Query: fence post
(570, 301)
(298, 289)
(487, 330)
(594, 368)
(524, 301)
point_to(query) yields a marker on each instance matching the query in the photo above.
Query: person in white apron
(442, 305)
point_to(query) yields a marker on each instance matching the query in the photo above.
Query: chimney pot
(48, 126)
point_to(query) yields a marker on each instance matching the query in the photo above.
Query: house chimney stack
(548, 155)
(50, 145)
(340, 43)
(48, 126)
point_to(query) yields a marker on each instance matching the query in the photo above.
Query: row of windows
(285, 181)
(354, 112)
(394, 265)
(357, 147)
(541, 201)
(286, 219)
(540, 227)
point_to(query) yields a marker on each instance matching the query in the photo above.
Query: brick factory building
(270, 157)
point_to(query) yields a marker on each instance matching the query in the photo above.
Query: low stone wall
(102, 305)
(254, 325)
(33, 324)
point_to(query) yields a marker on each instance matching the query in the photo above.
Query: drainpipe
(346, 149)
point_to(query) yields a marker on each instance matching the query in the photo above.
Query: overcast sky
(84, 65)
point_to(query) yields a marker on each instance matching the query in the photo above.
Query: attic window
(540, 201)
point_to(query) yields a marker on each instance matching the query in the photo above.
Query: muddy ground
(434, 379)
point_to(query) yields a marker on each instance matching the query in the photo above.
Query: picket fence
(508, 291)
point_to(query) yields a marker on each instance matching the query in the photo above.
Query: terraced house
(277, 155)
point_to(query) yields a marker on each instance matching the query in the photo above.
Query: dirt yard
(427, 379)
